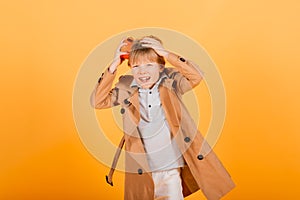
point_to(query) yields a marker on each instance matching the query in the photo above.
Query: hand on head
(117, 60)
(128, 44)
(152, 42)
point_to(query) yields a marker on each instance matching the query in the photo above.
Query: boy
(166, 157)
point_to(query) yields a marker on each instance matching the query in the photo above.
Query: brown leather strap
(115, 161)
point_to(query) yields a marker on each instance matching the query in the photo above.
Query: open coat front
(203, 170)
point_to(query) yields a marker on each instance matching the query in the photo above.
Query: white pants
(167, 185)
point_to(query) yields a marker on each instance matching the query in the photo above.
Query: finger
(147, 42)
(148, 45)
(123, 40)
(117, 56)
(128, 38)
(154, 46)
(120, 46)
(122, 53)
(150, 40)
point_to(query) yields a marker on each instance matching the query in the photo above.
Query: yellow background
(255, 45)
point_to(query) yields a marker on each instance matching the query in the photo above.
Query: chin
(147, 86)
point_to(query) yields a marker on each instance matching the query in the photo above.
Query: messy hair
(138, 51)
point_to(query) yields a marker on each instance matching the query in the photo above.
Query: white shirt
(162, 152)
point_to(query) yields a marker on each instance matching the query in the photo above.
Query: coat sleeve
(104, 96)
(189, 75)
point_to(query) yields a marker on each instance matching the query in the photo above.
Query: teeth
(143, 79)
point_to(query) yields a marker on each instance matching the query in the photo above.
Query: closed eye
(149, 65)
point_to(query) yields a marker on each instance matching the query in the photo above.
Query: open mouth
(144, 79)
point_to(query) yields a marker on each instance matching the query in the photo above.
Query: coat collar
(165, 85)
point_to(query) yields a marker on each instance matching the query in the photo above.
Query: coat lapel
(130, 97)
(170, 104)
(135, 109)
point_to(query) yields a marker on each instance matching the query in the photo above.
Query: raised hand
(156, 45)
(117, 60)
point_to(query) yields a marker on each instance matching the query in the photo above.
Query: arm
(104, 96)
(190, 75)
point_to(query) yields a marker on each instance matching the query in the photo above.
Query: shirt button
(200, 157)
(150, 92)
(126, 101)
(140, 171)
(149, 106)
(122, 110)
(187, 139)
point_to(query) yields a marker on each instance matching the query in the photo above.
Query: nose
(142, 69)
(142, 72)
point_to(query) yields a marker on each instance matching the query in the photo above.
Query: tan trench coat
(203, 170)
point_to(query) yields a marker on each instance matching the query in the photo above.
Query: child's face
(146, 72)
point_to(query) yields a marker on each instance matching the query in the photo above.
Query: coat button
(122, 110)
(99, 80)
(187, 139)
(200, 157)
(140, 171)
(182, 59)
(126, 101)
